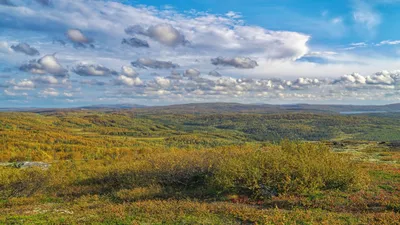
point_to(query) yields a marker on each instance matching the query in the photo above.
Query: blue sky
(68, 53)
(308, 16)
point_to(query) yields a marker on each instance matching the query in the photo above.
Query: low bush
(16, 182)
(293, 168)
(140, 193)
(252, 170)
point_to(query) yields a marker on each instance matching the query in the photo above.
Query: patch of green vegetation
(125, 167)
(385, 175)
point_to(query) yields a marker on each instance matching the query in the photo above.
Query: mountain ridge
(228, 107)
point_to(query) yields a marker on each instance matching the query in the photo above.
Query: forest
(90, 166)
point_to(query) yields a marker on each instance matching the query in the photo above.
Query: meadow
(145, 167)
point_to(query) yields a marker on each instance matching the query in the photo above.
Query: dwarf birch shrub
(293, 168)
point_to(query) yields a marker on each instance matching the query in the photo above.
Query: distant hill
(218, 107)
(267, 108)
(111, 106)
(101, 107)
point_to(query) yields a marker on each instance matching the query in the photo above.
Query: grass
(96, 192)
(120, 168)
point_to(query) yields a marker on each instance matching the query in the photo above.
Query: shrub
(294, 168)
(22, 182)
(139, 193)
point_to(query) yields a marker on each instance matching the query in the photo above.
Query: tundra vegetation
(138, 167)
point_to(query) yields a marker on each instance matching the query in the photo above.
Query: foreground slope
(151, 167)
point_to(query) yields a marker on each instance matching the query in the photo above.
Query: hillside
(219, 107)
(152, 167)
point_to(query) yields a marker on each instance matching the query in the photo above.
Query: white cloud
(181, 42)
(46, 64)
(353, 78)
(365, 15)
(11, 93)
(166, 34)
(191, 73)
(76, 35)
(162, 82)
(234, 15)
(45, 80)
(84, 69)
(24, 84)
(5, 48)
(359, 44)
(128, 71)
(321, 53)
(337, 20)
(26, 49)
(68, 94)
(163, 33)
(223, 34)
(128, 81)
(389, 42)
(214, 73)
(237, 62)
(49, 92)
(145, 63)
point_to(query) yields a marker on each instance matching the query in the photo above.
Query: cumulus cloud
(214, 73)
(302, 82)
(234, 15)
(203, 31)
(128, 81)
(129, 71)
(45, 80)
(145, 63)
(162, 82)
(246, 88)
(136, 42)
(5, 47)
(93, 70)
(76, 36)
(209, 35)
(24, 84)
(237, 62)
(381, 78)
(26, 49)
(68, 94)
(10, 93)
(191, 73)
(384, 78)
(352, 78)
(48, 64)
(164, 33)
(49, 92)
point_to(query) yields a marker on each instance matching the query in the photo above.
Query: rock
(6, 164)
(24, 165)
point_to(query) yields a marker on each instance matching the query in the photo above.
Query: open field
(130, 167)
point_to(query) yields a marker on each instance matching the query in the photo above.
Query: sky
(64, 53)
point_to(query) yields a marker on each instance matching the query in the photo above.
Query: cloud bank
(190, 56)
